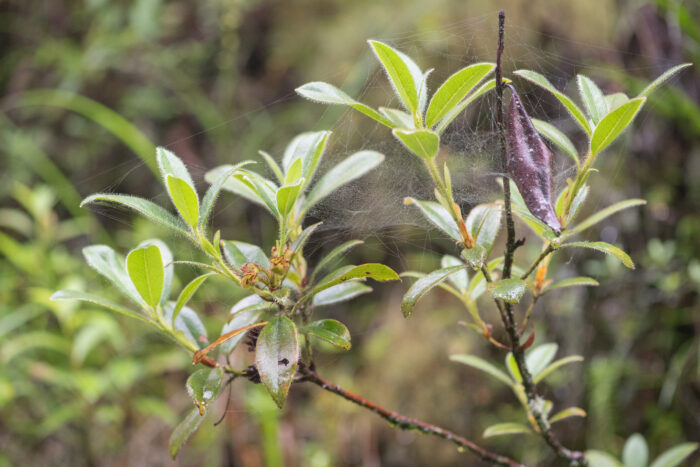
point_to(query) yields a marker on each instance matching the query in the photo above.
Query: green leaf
(614, 123)
(245, 312)
(236, 186)
(145, 267)
(475, 257)
(88, 297)
(510, 428)
(605, 248)
(636, 452)
(508, 290)
(544, 83)
(615, 100)
(239, 253)
(183, 431)
(346, 171)
(100, 329)
(309, 147)
(540, 357)
(325, 93)
(674, 456)
(601, 459)
(330, 330)
(460, 279)
(276, 356)
(376, 271)
(340, 293)
(170, 164)
(423, 143)
(333, 256)
(185, 200)
(188, 292)
(555, 366)
(456, 110)
(293, 171)
(571, 282)
(483, 365)
(483, 224)
(424, 285)
(668, 74)
(512, 366)
(147, 209)
(566, 413)
(106, 262)
(604, 213)
(557, 137)
(213, 193)
(398, 118)
(203, 386)
(287, 196)
(263, 190)
(189, 323)
(168, 266)
(592, 98)
(438, 216)
(405, 76)
(454, 89)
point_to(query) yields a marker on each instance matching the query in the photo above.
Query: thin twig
(537, 262)
(405, 423)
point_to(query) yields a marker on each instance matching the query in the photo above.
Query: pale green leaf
(501, 429)
(106, 262)
(553, 134)
(263, 190)
(605, 248)
(483, 224)
(97, 300)
(145, 268)
(245, 312)
(438, 216)
(592, 97)
(398, 118)
(170, 164)
(239, 253)
(571, 282)
(456, 110)
(603, 213)
(331, 331)
(668, 74)
(378, 272)
(636, 452)
(601, 459)
(566, 413)
(183, 431)
(540, 357)
(203, 386)
(615, 100)
(614, 123)
(483, 365)
(276, 356)
(460, 279)
(423, 143)
(423, 285)
(185, 200)
(213, 193)
(188, 323)
(309, 147)
(556, 365)
(405, 76)
(286, 197)
(508, 290)
(188, 292)
(334, 255)
(276, 170)
(340, 293)
(675, 455)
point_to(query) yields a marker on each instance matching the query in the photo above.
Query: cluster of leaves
(283, 292)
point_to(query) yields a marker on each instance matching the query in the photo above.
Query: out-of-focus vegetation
(214, 80)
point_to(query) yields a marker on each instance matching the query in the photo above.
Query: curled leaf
(530, 164)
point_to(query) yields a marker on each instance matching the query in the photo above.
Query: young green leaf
(147, 209)
(668, 74)
(571, 282)
(88, 297)
(614, 123)
(460, 279)
(615, 100)
(286, 197)
(566, 413)
(309, 147)
(483, 365)
(263, 190)
(456, 110)
(188, 292)
(405, 76)
(636, 452)
(183, 431)
(334, 255)
(168, 266)
(239, 253)
(604, 213)
(245, 312)
(276, 356)
(325, 93)
(203, 386)
(454, 89)
(423, 285)
(170, 164)
(293, 171)
(557, 137)
(601, 459)
(423, 143)
(512, 367)
(276, 170)
(105, 261)
(555, 366)
(501, 429)
(185, 199)
(145, 267)
(475, 256)
(483, 224)
(398, 118)
(346, 171)
(508, 290)
(544, 83)
(378, 272)
(438, 216)
(340, 293)
(605, 248)
(674, 456)
(592, 98)
(236, 186)
(188, 323)
(540, 357)
(213, 193)
(331, 331)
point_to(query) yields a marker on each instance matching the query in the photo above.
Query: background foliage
(214, 82)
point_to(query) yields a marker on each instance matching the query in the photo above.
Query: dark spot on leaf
(284, 362)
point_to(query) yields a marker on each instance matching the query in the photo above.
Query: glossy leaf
(185, 200)
(276, 356)
(483, 224)
(571, 282)
(340, 293)
(668, 74)
(566, 413)
(544, 83)
(423, 143)
(605, 248)
(601, 459)
(475, 257)
(106, 262)
(88, 297)
(203, 386)
(604, 213)
(188, 292)
(345, 172)
(183, 431)
(454, 89)
(459, 279)
(438, 216)
(331, 331)
(334, 255)
(244, 313)
(674, 456)
(147, 209)
(614, 123)
(145, 268)
(557, 137)
(325, 93)
(405, 76)
(239, 253)
(287, 196)
(555, 366)
(482, 365)
(540, 357)
(423, 285)
(501, 429)
(508, 290)
(636, 452)
(592, 97)
(376, 271)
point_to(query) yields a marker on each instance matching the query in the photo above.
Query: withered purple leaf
(529, 163)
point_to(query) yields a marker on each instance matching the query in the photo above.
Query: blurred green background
(214, 82)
